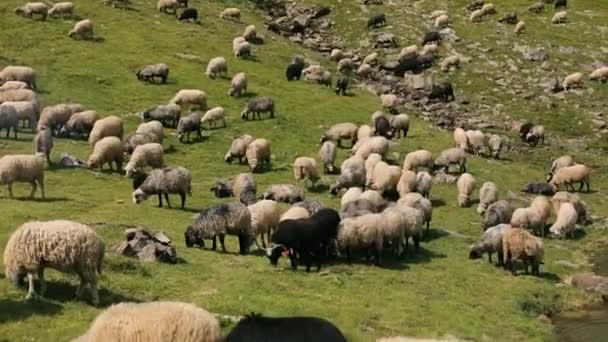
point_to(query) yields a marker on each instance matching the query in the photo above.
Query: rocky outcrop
(146, 246)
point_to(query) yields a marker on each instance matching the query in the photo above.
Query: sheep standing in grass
(407, 183)
(366, 147)
(305, 168)
(189, 124)
(418, 159)
(82, 30)
(424, 183)
(460, 139)
(9, 120)
(169, 180)
(386, 178)
(16, 95)
(497, 213)
(476, 16)
(190, 97)
(66, 246)
(415, 200)
(81, 123)
(55, 117)
(477, 141)
(490, 242)
(107, 151)
(488, 194)
(442, 21)
(245, 188)
(43, 143)
(22, 168)
(536, 135)
(63, 9)
(173, 321)
(238, 84)
(221, 220)
(560, 18)
(519, 244)
(258, 105)
(574, 80)
(152, 127)
(23, 74)
(167, 6)
(243, 50)
(400, 124)
(465, 185)
(250, 33)
(362, 231)
(33, 8)
(488, 8)
(214, 115)
(599, 74)
(565, 197)
(567, 217)
(238, 148)
(286, 193)
(149, 72)
(352, 173)
(258, 154)
(217, 67)
(170, 114)
(145, 155)
(578, 173)
(110, 126)
(265, 216)
(495, 144)
(450, 157)
(327, 154)
(363, 132)
(341, 131)
(533, 217)
(231, 13)
(295, 213)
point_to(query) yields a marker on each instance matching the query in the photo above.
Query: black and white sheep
(165, 181)
(149, 72)
(382, 127)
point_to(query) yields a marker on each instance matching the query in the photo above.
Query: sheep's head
(274, 253)
(221, 189)
(334, 188)
(228, 158)
(139, 196)
(192, 238)
(476, 252)
(245, 114)
(14, 276)
(93, 161)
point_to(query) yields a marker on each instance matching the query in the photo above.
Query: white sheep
(217, 67)
(368, 146)
(23, 74)
(352, 173)
(460, 139)
(31, 8)
(190, 97)
(407, 183)
(55, 117)
(66, 246)
(153, 322)
(449, 62)
(370, 163)
(561, 162)
(238, 85)
(389, 102)
(375, 197)
(477, 141)
(476, 16)
(258, 153)
(336, 55)
(341, 131)
(385, 178)
(265, 217)
(424, 183)
(22, 168)
(110, 126)
(351, 195)
(295, 213)
(305, 168)
(599, 74)
(520, 27)
(26, 111)
(418, 159)
(243, 50)
(81, 122)
(107, 151)
(238, 147)
(231, 13)
(410, 220)
(437, 13)
(362, 231)
(63, 9)
(83, 30)
(145, 155)
(11, 85)
(364, 131)
(166, 5)
(417, 201)
(165, 181)
(237, 41)
(401, 124)
(488, 8)
(566, 220)
(533, 217)
(450, 157)
(16, 95)
(572, 174)
(465, 185)
(495, 143)
(574, 80)
(442, 21)
(152, 127)
(488, 194)
(327, 154)
(250, 33)
(560, 18)
(565, 197)
(214, 115)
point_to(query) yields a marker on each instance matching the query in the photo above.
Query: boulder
(147, 247)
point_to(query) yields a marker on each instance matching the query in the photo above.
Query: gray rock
(302, 20)
(536, 54)
(386, 40)
(146, 247)
(590, 282)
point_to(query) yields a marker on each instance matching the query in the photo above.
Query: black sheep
(431, 37)
(424, 62)
(377, 20)
(182, 3)
(294, 71)
(561, 3)
(305, 238)
(256, 328)
(383, 127)
(545, 189)
(524, 130)
(341, 85)
(443, 91)
(188, 14)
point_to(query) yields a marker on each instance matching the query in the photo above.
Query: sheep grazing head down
(476, 252)
(139, 196)
(274, 253)
(15, 277)
(192, 238)
(221, 189)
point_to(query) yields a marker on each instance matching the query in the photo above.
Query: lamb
(295, 213)
(418, 159)
(565, 197)
(190, 97)
(407, 183)
(536, 135)
(305, 168)
(55, 117)
(466, 185)
(214, 115)
(258, 154)
(498, 212)
(110, 126)
(149, 72)
(9, 120)
(63, 9)
(238, 147)
(43, 143)
(168, 114)
(81, 123)
(166, 5)
(221, 220)
(599, 74)
(145, 155)
(12, 85)
(578, 173)
(327, 154)
(107, 150)
(341, 131)
(257, 328)
(560, 18)
(238, 85)
(520, 28)
(519, 244)
(389, 101)
(363, 132)
(488, 194)
(351, 195)
(169, 180)
(173, 321)
(258, 105)
(231, 13)
(477, 141)
(424, 183)
(352, 173)
(415, 200)
(32, 8)
(533, 217)
(442, 91)
(22, 168)
(152, 127)
(450, 157)
(250, 33)
(286, 193)
(561, 162)
(66, 246)
(461, 139)
(82, 30)
(243, 50)
(442, 21)
(16, 95)
(265, 216)
(378, 145)
(567, 217)
(217, 67)
(305, 239)
(490, 242)
(23, 74)
(386, 178)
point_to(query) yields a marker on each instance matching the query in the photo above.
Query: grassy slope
(436, 293)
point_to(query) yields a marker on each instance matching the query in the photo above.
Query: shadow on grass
(65, 292)
(434, 234)
(318, 188)
(438, 203)
(248, 95)
(12, 310)
(43, 200)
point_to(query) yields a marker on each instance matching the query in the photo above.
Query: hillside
(436, 293)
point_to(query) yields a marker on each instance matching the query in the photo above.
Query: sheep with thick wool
(581, 207)
(286, 193)
(561, 162)
(167, 6)
(450, 62)
(519, 244)
(599, 74)
(449, 157)
(107, 151)
(442, 21)
(81, 123)
(418, 159)
(407, 183)
(62, 9)
(22, 168)
(560, 18)
(364, 131)
(386, 178)
(83, 29)
(217, 67)
(477, 141)
(56, 117)
(362, 231)
(476, 16)
(567, 217)
(488, 194)
(165, 181)
(231, 13)
(190, 97)
(370, 163)
(168, 114)
(533, 217)
(11, 85)
(265, 216)
(250, 33)
(31, 8)
(26, 111)
(66, 246)
(495, 144)
(339, 132)
(424, 183)
(295, 213)
(572, 174)
(574, 80)
(258, 154)
(173, 322)
(389, 101)
(238, 85)
(212, 116)
(243, 50)
(151, 155)
(9, 120)
(460, 139)
(498, 212)
(152, 127)
(465, 185)
(400, 124)
(352, 194)
(305, 168)
(352, 173)
(24, 74)
(238, 148)
(110, 126)
(243, 187)
(16, 95)
(490, 242)
(365, 148)
(417, 201)
(374, 197)
(520, 27)
(327, 154)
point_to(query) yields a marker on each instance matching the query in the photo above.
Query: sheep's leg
(490, 257)
(416, 243)
(348, 255)
(501, 260)
(31, 292)
(167, 199)
(34, 187)
(214, 246)
(183, 197)
(222, 242)
(41, 184)
(81, 286)
(525, 265)
(42, 282)
(262, 237)
(10, 190)
(160, 200)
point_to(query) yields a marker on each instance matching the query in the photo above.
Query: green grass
(439, 292)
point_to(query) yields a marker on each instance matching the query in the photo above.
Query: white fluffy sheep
(166, 5)
(82, 30)
(371, 145)
(385, 178)
(31, 8)
(265, 216)
(389, 102)
(305, 168)
(214, 115)
(62, 9)
(152, 127)
(578, 173)
(231, 13)
(258, 154)
(599, 74)
(415, 200)
(477, 141)
(237, 41)
(449, 62)
(364, 70)
(153, 322)
(533, 217)
(295, 213)
(565, 197)
(341, 131)
(375, 197)
(567, 217)
(145, 155)
(82, 122)
(238, 85)
(352, 173)
(238, 147)
(465, 185)
(370, 163)
(23, 74)
(22, 168)
(190, 97)
(460, 139)
(442, 21)
(560, 18)
(424, 183)
(16, 95)
(11, 85)
(110, 126)
(495, 144)
(352, 194)
(488, 8)
(362, 231)
(561, 162)
(488, 194)
(520, 27)
(407, 183)
(55, 117)
(107, 151)
(25, 110)
(401, 124)
(364, 131)
(450, 157)
(476, 16)
(574, 80)
(250, 33)
(418, 159)
(243, 50)
(217, 67)
(327, 154)
(429, 49)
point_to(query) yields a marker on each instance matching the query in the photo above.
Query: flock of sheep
(382, 205)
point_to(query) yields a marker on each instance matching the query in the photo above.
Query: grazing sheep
(245, 188)
(533, 217)
(573, 81)
(519, 244)
(189, 14)
(237, 41)
(536, 135)
(599, 74)
(537, 7)
(341, 131)
(169, 180)
(362, 231)
(257, 328)
(265, 216)
(238, 84)
(43, 143)
(461, 139)
(520, 28)
(231, 13)
(295, 213)
(82, 30)
(214, 115)
(81, 123)
(376, 21)
(389, 102)
(465, 185)
(490, 242)
(221, 220)
(286, 193)
(450, 157)
(33, 8)
(560, 18)
(217, 67)
(55, 117)
(352, 173)
(22, 168)
(190, 97)
(443, 92)
(243, 50)
(366, 147)
(539, 189)
(145, 155)
(497, 213)
(431, 37)
(327, 154)
(167, 114)
(294, 71)
(370, 164)
(149, 72)
(442, 21)
(477, 141)
(424, 183)
(363, 132)
(386, 178)
(407, 183)
(351, 195)
(364, 70)
(66, 246)
(495, 144)
(110, 126)
(565, 197)
(9, 120)
(561, 3)
(23, 74)
(250, 33)
(416, 201)
(342, 85)
(258, 105)
(488, 194)
(509, 18)
(449, 62)
(418, 159)
(173, 321)
(166, 5)
(152, 127)
(12, 85)
(375, 197)
(107, 150)
(238, 147)
(382, 127)
(136, 139)
(578, 173)
(305, 168)
(408, 52)
(258, 154)
(16, 95)
(476, 16)
(567, 217)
